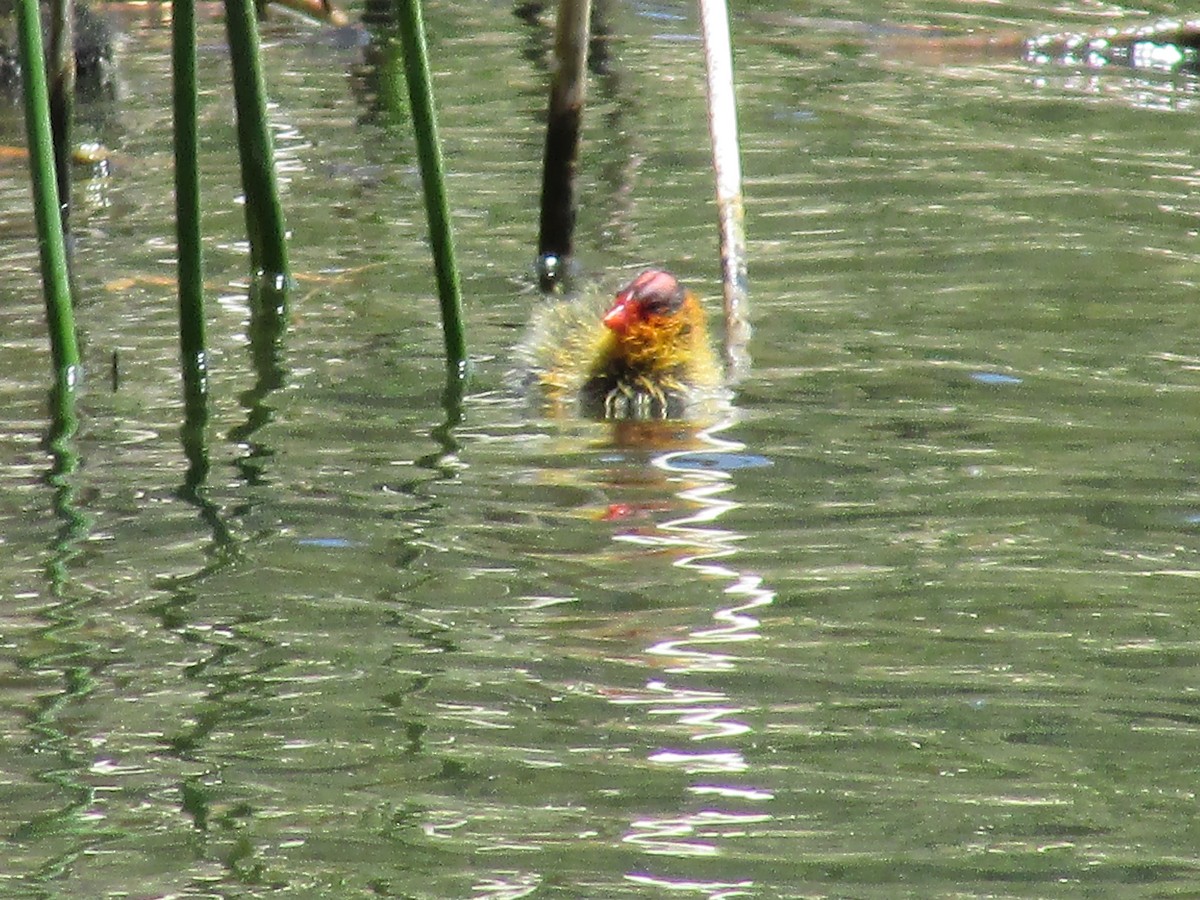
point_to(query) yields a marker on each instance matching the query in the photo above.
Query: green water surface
(919, 619)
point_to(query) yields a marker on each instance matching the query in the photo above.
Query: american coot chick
(644, 355)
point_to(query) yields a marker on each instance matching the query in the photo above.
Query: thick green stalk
(264, 214)
(56, 284)
(190, 273)
(429, 155)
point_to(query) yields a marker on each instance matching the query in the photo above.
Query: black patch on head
(656, 302)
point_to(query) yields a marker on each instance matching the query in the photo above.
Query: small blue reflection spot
(724, 462)
(798, 115)
(995, 378)
(332, 542)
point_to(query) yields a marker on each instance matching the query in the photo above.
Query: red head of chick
(647, 356)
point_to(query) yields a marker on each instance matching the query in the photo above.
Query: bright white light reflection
(474, 714)
(699, 710)
(658, 692)
(535, 602)
(1160, 57)
(705, 549)
(710, 723)
(736, 793)
(700, 547)
(689, 835)
(664, 839)
(508, 885)
(727, 761)
(712, 890)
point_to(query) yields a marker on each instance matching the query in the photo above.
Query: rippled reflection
(704, 549)
(925, 627)
(703, 481)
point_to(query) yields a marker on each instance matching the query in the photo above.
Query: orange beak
(622, 314)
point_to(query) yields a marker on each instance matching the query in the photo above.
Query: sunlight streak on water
(717, 761)
(707, 550)
(711, 890)
(670, 836)
(692, 708)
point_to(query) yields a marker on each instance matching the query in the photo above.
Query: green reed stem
(264, 213)
(429, 156)
(190, 272)
(56, 282)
